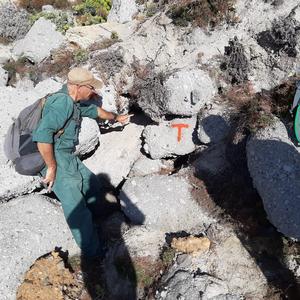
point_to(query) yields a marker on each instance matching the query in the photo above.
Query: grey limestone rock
(188, 91)
(167, 140)
(116, 154)
(3, 77)
(39, 41)
(30, 226)
(14, 22)
(162, 203)
(214, 124)
(274, 165)
(212, 161)
(225, 271)
(88, 138)
(146, 166)
(122, 11)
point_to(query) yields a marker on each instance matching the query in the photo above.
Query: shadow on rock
(111, 277)
(234, 192)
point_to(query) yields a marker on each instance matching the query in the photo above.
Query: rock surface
(39, 41)
(122, 11)
(167, 140)
(88, 137)
(85, 36)
(188, 91)
(116, 154)
(30, 227)
(274, 165)
(212, 161)
(226, 271)
(162, 203)
(146, 166)
(214, 124)
(3, 77)
(5, 53)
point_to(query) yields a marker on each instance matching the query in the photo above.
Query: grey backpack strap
(61, 131)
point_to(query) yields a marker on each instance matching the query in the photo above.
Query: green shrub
(61, 19)
(80, 56)
(92, 11)
(114, 35)
(201, 13)
(151, 9)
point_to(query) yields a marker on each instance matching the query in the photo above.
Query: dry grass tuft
(33, 5)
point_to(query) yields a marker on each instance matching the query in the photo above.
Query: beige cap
(82, 76)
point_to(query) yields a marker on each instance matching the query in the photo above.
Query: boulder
(3, 77)
(122, 11)
(39, 41)
(116, 154)
(225, 271)
(274, 165)
(211, 161)
(170, 138)
(188, 91)
(5, 53)
(214, 124)
(88, 139)
(85, 36)
(146, 166)
(162, 203)
(31, 226)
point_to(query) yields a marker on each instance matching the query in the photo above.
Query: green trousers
(79, 192)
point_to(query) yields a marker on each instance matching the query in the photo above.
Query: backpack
(18, 144)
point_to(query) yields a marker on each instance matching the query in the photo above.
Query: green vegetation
(167, 256)
(151, 9)
(114, 35)
(61, 19)
(92, 11)
(203, 13)
(81, 56)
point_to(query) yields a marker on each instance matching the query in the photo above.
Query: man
(75, 185)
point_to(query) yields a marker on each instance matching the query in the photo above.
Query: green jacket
(57, 110)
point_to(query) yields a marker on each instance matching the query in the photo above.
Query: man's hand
(123, 119)
(47, 153)
(50, 177)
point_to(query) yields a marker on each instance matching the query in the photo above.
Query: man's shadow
(113, 278)
(233, 191)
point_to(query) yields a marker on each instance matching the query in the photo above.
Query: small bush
(253, 110)
(108, 63)
(148, 91)
(20, 66)
(61, 19)
(92, 11)
(235, 63)
(201, 13)
(114, 35)
(14, 22)
(151, 9)
(81, 56)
